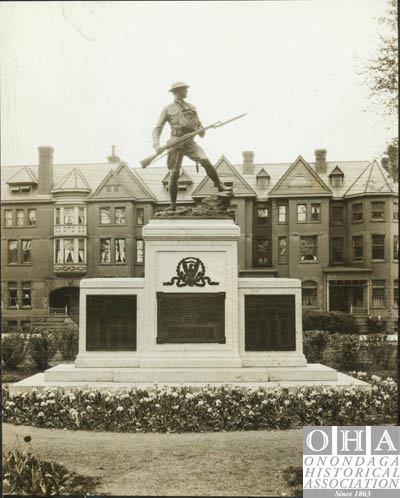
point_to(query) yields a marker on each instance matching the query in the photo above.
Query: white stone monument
(190, 320)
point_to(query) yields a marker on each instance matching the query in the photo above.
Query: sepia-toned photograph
(199, 248)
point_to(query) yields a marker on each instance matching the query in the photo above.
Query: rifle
(175, 143)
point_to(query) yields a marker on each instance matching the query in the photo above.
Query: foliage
(23, 473)
(342, 351)
(392, 152)
(187, 409)
(67, 341)
(376, 324)
(294, 477)
(379, 349)
(42, 348)
(14, 347)
(314, 344)
(330, 321)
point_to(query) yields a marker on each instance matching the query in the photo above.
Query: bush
(24, 474)
(379, 349)
(376, 324)
(67, 341)
(211, 409)
(42, 348)
(314, 343)
(13, 349)
(330, 321)
(342, 352)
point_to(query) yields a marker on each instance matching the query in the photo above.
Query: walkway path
(230, 463)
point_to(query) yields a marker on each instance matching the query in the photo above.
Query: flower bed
(184, 409)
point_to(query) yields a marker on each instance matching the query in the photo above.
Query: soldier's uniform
(183, 119)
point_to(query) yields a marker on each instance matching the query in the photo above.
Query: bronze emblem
(190, 272)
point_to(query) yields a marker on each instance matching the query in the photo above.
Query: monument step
(70, 373)
(39, 383)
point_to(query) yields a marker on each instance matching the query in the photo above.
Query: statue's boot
(212, 173)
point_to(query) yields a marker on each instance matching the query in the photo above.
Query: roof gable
(24, 176)
(112, 188)
(371, 181)
(262, 174)
(226, 172)
(183, 178)
(133, 183)
(336, 171)
(74, 180)
(300, 180)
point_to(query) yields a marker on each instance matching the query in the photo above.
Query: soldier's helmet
(178, 84)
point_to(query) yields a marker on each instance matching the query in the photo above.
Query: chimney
(248, 162)
(320, 161)
(45, 169)
(113, 159)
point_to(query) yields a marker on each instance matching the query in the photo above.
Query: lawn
(221, 464)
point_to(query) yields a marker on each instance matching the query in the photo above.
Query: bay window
(69, 251)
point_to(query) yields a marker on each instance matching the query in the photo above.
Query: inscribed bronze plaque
(191, 317)
(270, 323)
(111, 323)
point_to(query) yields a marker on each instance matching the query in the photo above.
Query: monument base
(68, 377)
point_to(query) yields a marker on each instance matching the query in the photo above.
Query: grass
(27, 369)
(251, 463)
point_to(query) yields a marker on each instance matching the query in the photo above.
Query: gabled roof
(373, 180)
(184, 178)
(225, 170)
(262, 174)
(336, 171)
(24, 176)
(134, 183)
(300, 180)
(111, 180)
(74, 180)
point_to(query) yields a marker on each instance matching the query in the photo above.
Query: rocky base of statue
(212, 207)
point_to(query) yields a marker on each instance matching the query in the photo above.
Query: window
(396, 247)
(263, 181)
(357, 212)
(396, 211)
(105, 250)
(116, 188)
(8, 217)
(31, 217)
(26, 325)
(301, 212)
(81, 215)
(105, 216)
(262, 252)
(336, 180)
(12, 252)
(68, 216)
(139, 216)
(26, 294)
(308, 248)
(282, 213)
(378, 293)
(309, 293)
(20, 218)
(358, 248)
(337, 215)
(12, 294)
(140, 251)
(26, 251)
(120, 251)
(108, 188)
(378, 211)
(120, 216)
(58, 216)
(316, 212)
(396, 293)
(69, 251)
(378, 247)
(262, 214)
(12, 325)
(282, 249)
(338, 249)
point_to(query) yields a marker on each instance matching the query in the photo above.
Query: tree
(392, 152)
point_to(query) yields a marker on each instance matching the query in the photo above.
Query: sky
(81, 76)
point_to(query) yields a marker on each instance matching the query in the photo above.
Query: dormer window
(184, 181)
(23, 181)
(26, 188)
(263, 178)
(336, 177)
(228, 183)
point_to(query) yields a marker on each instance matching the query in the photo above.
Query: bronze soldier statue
(183, 119)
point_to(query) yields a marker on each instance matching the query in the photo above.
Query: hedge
(330, 321)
